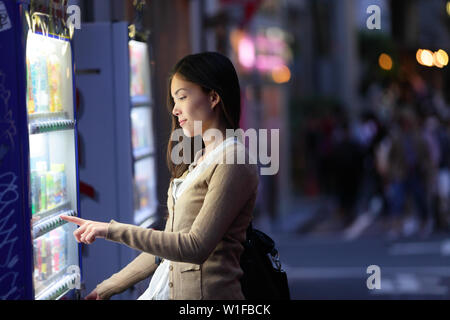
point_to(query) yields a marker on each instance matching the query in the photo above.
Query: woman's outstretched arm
(230, 188)
(138, 269)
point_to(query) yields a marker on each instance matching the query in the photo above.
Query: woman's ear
(214, 98)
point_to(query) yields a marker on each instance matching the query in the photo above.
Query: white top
(158, 288)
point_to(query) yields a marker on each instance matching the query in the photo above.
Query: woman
(210, 201)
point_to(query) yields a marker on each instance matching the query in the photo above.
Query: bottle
(63, 178)
(54, 79)
(64, 184)
(143, 193)
(34, 80)
(39, 79)
(55, 248)
(50, 190)
(43, 251)
(38, 265)
(30, 98)
(34, 183)
(35, 261)
(134, 138)
(58, 182)
(41, 174)
(48, 256)
(64, 248)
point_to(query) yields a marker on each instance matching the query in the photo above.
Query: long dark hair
(211, 71)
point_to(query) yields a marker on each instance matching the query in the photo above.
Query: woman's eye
(181, 98)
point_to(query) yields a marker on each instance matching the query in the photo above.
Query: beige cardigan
(203, 235)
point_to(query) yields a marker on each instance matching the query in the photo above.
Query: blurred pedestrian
(409, 173)
(348, 169)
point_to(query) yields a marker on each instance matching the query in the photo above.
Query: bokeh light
(246, 52)
(426, 58)
(441, 57)
(281, 74)
(385, 62)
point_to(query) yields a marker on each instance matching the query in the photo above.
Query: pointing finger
(75, 220)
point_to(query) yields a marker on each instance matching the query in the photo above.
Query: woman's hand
(88, 230)
(93, 295)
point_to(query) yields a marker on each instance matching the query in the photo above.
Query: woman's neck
(211, 142)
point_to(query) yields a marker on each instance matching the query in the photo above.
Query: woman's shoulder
(237, 160)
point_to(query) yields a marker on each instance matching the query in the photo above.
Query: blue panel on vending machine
(39, 257)
(15, 238)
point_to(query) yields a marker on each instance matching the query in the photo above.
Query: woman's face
(193, 104)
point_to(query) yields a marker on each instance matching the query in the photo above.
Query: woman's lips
(182, 122)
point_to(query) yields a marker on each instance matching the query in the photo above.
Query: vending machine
(116, 140)
(39, 257)
(145, 203)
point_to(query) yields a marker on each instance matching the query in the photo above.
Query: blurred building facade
(308, 68)
(354, 107)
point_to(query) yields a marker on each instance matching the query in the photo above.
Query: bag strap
(249, 230)
(250, 226)
(262, 238)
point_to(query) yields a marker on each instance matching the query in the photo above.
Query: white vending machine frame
(106, 150)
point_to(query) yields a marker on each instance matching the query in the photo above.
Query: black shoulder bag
(263, 278)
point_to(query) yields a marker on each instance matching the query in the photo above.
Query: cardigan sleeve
(231, 186)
